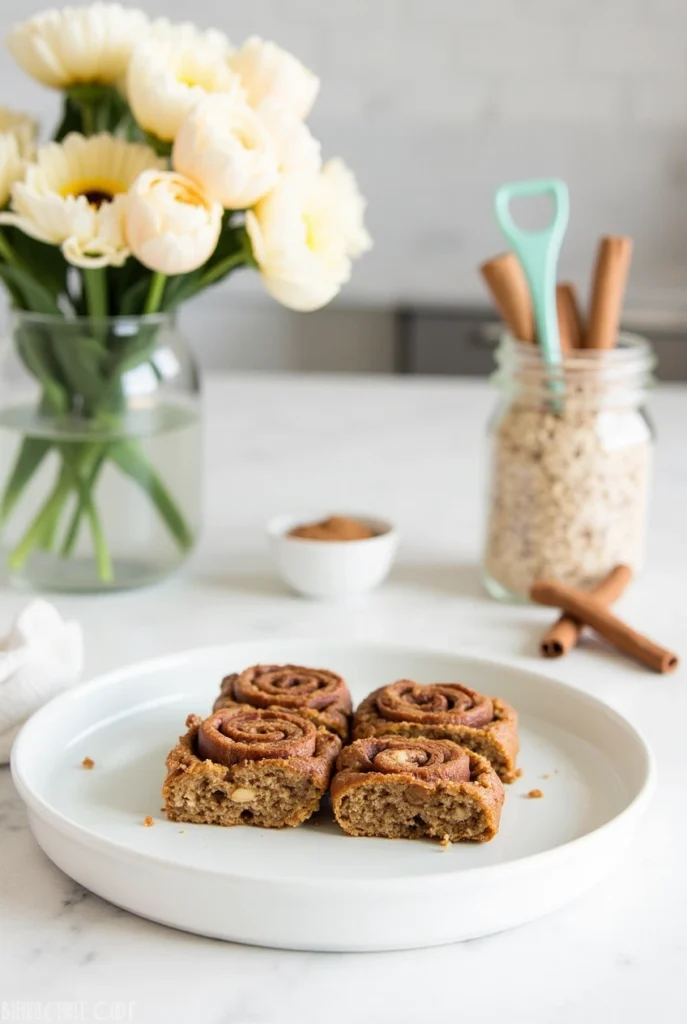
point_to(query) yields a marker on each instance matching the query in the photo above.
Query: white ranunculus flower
(73, 196)
(172, 71)
(78, 45)
(17, 146)
(298, 152)
(170, 225)
(268, 71)
(337, 210)
(227, 150)
(305, 233)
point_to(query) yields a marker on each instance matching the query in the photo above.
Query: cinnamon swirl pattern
(443, 711)
(322, 696)
(249, 766)
(397, 788)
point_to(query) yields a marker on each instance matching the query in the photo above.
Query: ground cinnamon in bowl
(334, 528)
(355, 557)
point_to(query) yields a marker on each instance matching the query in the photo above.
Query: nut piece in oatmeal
(245, 765)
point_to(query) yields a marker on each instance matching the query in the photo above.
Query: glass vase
(100, 451)
(570, 463)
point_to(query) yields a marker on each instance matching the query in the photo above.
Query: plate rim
(37, 804)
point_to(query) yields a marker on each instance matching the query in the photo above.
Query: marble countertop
(410, 449)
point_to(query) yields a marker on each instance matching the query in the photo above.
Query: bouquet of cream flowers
(178, 159)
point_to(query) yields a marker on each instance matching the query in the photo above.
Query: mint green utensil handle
(538, 252)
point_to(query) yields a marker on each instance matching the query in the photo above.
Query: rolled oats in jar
(570, 466)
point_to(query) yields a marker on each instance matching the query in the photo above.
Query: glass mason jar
(570, 454)
(100, 460)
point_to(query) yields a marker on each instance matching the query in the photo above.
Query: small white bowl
(329, 569)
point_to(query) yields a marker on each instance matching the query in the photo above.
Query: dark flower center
(96, 197)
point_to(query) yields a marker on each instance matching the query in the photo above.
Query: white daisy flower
(74, 196)
(174, 69)
(78, 45)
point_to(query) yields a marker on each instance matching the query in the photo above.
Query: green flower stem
(102, 554)
(155, 293)
(91, 369)
(95, 287)
(70, 538)
(73, 463)
(31, 455)
(78, 473)
(43, 522)
(81, 507)
(132, 462)
(222, 268)
(6, 251)
(49, 537)
(87, 118)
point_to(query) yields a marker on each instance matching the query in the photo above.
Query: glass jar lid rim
(632, 350)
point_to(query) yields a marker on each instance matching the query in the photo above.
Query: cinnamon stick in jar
(507, 285)
(566, 631)
(588, 610)
(608, 291)
(569, 317)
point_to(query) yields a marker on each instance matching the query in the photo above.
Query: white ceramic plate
(313, 887)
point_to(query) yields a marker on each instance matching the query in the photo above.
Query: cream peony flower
(172, 71)
(337, 211)
(226, 149)
(17, 146)
(305, 233)
(78, 45)
(170, 225)
(73, 195)
(268, 71)
(298, 152)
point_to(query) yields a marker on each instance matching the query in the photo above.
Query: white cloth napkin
(40, 656)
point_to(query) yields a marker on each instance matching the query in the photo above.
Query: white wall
(435, 102)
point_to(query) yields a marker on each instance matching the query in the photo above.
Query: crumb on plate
(445, 842)
(519, 773)
(148, 822)
(534, 794)
(88, 762)
(544, 776)
(181, 831)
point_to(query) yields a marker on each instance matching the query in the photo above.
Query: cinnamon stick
(588, 610)
(569, 318)
(566, 631)
(507, 284)
(608, 291)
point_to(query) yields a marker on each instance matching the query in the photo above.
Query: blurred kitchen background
(434, 103)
